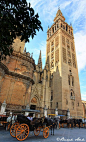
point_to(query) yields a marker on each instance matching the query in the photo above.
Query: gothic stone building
(16, 78)
(57, 85)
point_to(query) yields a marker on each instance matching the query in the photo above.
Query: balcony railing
(72, 97)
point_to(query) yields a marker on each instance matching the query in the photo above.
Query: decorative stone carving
(33, 100)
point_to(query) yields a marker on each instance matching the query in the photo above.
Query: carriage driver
(30, 117)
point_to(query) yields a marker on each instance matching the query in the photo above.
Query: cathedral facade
(23, 83)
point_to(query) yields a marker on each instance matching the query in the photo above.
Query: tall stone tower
(60, 52)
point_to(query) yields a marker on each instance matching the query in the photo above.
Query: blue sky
(74, 12)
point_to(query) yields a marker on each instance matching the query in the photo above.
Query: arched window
(61, 24)
(69, 79)
(57, 104)
(55, 27)
(71, 94)
(66, 27)
(63, 27)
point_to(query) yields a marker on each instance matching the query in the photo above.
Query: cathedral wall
(16, 79)
(18, 65)
(48, 95)
(67, 102)
(78, 95)
(13, 90)
(57, 90)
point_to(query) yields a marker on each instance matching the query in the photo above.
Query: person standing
(71, 123)
(79, 123)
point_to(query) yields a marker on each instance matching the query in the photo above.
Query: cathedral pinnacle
(48, 28)
(59, 15)
(59, 7)
(25, 50)
(40, 61)
(47, 64)
(40, 55)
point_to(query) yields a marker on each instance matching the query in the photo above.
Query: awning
(60, 115)
(52, 114)
(31, 110)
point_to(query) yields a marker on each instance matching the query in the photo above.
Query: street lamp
(45, 111)
(68, 114)
(56, 111)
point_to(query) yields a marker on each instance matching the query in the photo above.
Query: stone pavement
(63, 134)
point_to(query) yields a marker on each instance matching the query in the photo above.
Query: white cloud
(34, 3)
(83, 96)
(42, 47)
(65, 4)
(79, 10)
(48, 9)
(80, 45)
(83, 87)
(36, 51)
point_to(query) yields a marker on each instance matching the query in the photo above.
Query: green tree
(17, 18)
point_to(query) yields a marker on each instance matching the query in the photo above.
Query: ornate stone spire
(48, 28)
(40, 61)
(59, 15)
(25, 50)
(47, 64)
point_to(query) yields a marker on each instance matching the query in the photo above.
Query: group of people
(73, 122)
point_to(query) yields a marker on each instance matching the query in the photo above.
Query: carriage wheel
(36, 131)
(46, 132)
(22, 132)
(13, 129)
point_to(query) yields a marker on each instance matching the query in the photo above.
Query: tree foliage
(17, 18)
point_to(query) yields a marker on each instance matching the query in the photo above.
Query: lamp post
(45, 111)
(3, 107)
(68, 114)
(27, 107)
(56, 111)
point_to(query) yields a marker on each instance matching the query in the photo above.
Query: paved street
(63, 134)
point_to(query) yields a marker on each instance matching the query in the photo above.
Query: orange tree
(17, 18)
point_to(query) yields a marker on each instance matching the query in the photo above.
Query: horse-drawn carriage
(21, 128)
(3, 120)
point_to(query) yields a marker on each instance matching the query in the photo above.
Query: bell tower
(61, 52)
